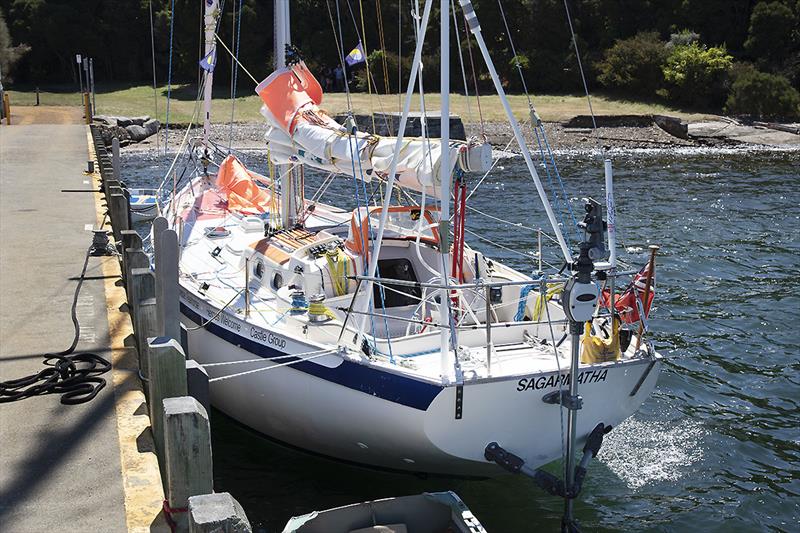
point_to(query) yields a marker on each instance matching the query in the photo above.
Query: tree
(770, 33)
(634, 66)
(697, 74)
(761, 94)
(9, 54)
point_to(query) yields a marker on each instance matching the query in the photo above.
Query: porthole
(259, 269)
(277, 281)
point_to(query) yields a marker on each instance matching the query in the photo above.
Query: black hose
(74, 376)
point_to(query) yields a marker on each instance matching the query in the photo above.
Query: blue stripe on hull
(388, 386)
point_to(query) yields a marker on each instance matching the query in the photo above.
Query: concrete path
(733, 132)
(45, 114)
(59, 465)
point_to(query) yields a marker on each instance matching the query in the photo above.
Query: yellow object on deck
(553, 289)
(337, 265)
(599, 350)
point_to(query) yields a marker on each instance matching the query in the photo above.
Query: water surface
(717, 446)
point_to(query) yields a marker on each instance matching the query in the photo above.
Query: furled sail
(300, 132)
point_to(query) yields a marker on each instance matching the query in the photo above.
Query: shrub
(770, 32)
(761, 94)
(633, 66)
(683, 38)
(697, 75)
(521, 61)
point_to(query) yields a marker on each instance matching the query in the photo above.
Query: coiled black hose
(74, 376)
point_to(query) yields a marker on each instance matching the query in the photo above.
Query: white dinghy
(434, 512)
(143, 204)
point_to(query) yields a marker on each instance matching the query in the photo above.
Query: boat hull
(362, 414)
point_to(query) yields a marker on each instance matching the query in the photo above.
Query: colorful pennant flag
(209, 61)
(355, 56)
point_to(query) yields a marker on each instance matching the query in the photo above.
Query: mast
(210, 25)
(444, 177)
(282, 38)
(390, 180)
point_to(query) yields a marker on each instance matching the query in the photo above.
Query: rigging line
(523, 254)
(279, 365)
(494, 164)
(183, 144)
(362, 38)
(583, 78)
(169, 73)
(461, 60)
(235, 76)
(235, 58)
(339, 45)
(556, 197)
(560, 381)
(201, 37)
(514, 51)
(538, 128)
(515, 224)
(426, 141)
(474, 75)
(399, 55)
(344, 67)
(379, 13)
(365, 245)
(560, 181)
(265, 359)
(153, 50)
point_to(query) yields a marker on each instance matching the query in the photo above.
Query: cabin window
(259, 269)
(277, 281)
(399, 269)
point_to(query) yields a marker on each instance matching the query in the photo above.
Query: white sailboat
(377, 335)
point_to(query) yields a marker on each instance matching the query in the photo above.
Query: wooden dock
(137, 457)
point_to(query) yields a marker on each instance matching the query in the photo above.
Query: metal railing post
(489, 344)
(247, 287)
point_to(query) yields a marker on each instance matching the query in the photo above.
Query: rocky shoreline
(624, 134)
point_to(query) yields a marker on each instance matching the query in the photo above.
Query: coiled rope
(76, 377)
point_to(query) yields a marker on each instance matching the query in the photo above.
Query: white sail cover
(300, 132)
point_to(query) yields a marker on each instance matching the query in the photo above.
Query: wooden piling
(197, 383)
(167, 375)
(120, 213)
(133, 258)
(169, 297)
(7, 108)
(187, 442)
(142, 287)
(115, 161)
(160, 224)
(220, 512)
(110, 186)
(147, 322)
(130, 239)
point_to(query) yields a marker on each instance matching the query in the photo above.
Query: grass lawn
(139, 100)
